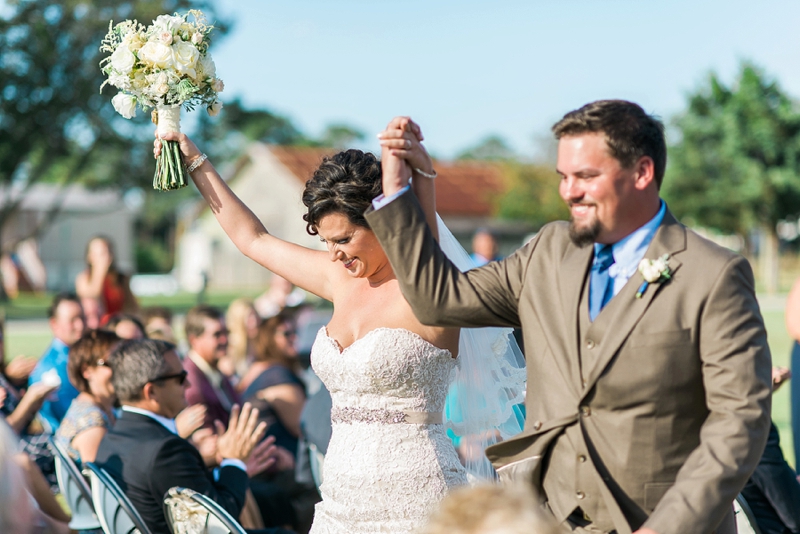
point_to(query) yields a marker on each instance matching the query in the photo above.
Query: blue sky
(467, 69)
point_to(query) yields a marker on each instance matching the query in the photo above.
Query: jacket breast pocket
(660, 339)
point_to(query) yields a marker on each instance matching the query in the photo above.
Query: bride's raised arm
(304, 267)
(403, 139)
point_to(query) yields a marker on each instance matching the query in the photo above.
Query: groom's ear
(644, 173)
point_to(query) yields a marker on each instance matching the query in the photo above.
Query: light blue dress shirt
(629, 251)
(57, 403)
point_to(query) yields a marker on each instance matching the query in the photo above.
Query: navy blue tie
(601, 287)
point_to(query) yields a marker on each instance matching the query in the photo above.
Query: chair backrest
(745, 520)
(189, 512)
(115, 512)
(74, 488)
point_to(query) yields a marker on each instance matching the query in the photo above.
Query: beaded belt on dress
(364, 415)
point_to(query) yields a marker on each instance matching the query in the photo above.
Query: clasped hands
(402, 153)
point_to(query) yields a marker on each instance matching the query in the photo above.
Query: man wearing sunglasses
(143, 452)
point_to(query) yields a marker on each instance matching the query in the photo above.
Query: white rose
(214, 108)
(650, 272)
(157, 54)
(165, 37)
(186, 56)
(218, 85)
(208, 67)
(197, 38)
(168, 22)
(122, 60)
(125, 105)
(120, 81)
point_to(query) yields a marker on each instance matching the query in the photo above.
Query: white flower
(165, 37)
(654, 270)
(214, 108)
(157, 54)
(125, 105)
(186, 56)
(120, 81)
(197, 38)
(168, 22)
(207, 66)
(122, 60)
(218, 85)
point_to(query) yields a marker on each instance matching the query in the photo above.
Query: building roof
(43, 197)
(463, 188)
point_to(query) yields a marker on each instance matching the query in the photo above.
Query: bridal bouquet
(164, 66)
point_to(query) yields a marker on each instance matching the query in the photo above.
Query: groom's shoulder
(706, 250)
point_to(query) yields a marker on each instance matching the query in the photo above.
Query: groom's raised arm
(437, 291)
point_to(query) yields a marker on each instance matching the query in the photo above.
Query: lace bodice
(388, 368)
(389, 461)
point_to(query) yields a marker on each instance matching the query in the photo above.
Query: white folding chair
(745, 520)
(75, 489)
(115, 512)
(189, 512)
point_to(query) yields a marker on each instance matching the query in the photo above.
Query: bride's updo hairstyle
(344, 183)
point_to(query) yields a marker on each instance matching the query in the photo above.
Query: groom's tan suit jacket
(653, 415)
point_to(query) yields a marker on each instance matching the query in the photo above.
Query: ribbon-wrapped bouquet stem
(164, 66)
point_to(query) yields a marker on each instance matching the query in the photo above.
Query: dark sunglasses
(180, 376)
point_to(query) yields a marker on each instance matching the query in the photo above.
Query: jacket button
(581, 458)
(580, 495)
(590, 344)
(586, 411)
(537, 425)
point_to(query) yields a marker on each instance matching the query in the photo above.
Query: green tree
(341, 136)
(226, 136)
(532, 195)
(54, 125)
(491, 148)
(736, 165)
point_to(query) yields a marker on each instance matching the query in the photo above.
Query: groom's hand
(645, 531)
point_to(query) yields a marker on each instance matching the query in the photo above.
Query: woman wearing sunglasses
(90, 415)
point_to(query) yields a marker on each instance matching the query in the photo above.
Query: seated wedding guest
(146, 457)
(281, 294)
(484, 247)
(773, 491)
(272, 383)
(207, 336)
(158, 323)
(125, 325)
(242, 321)
(792, 317)
(27, 505)
(67, 323)
(91, 413)
(489, 509)
(103, 282)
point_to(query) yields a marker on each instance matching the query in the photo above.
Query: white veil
(485, 402)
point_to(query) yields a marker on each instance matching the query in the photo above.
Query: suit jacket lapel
(625, 308)
(572, 277)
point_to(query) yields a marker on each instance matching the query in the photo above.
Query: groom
(648, 402)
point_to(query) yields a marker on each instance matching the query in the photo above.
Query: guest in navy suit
(143, 452)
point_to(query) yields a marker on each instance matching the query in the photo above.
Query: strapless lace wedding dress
(389, 461)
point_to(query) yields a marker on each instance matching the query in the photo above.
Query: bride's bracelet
(425, 174)
(196, 162)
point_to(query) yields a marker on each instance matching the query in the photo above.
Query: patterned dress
(81, 415)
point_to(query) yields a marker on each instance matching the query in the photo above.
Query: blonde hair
(236, 320)
(490, 509)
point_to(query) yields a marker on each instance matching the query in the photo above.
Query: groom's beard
(585, 235)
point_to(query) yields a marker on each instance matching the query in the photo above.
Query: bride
(389, 461)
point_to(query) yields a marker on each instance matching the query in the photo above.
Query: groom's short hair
(629, 131)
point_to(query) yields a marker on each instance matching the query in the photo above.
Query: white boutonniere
(653, 272)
